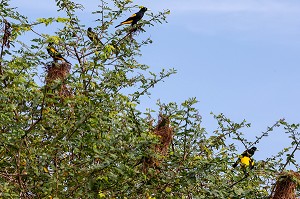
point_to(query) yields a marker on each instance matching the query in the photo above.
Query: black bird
(245, 158)
(54, 53)
(93, 36)
(134, 18)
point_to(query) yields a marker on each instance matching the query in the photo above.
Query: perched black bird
(245, 158)
(93, 37)
(134, 18)
(54, 53)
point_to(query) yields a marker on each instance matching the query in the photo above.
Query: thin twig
(238, 181)
(266, 132)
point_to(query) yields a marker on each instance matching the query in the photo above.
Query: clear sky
(240, 58)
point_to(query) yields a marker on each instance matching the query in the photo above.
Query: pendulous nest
(165, 133)
(58, 71)
(286, 185)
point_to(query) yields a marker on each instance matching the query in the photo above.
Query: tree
(78, 133)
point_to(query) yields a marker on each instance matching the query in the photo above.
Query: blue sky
(240, 58)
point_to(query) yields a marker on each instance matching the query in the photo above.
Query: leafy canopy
(73, 130)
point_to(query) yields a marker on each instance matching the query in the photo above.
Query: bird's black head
(253, 149)
(51, 43)
(89, 29)
(143, 9)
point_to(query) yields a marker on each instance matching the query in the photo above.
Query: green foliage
(92, 142)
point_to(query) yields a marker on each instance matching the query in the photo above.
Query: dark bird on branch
(93, 36)
(54, 53)
(245, 158)
(134, 18)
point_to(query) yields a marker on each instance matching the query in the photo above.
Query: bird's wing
(129, 20)
(53, 50)
(55, 53)
(251, 162)
(132, 15)
(93, 36)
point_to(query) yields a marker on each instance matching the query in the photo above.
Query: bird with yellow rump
(245, 159)
(54, 53)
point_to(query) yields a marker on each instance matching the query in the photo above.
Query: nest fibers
(286, 185)
(56, 76)
(165, 134)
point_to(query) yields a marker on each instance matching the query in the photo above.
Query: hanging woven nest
(286, 185)
(165, 134)
(58, 71)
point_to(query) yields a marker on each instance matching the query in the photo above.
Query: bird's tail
(118, 25)
(235, 164)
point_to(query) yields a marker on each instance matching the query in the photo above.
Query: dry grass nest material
(58, 71)
(165, 133)
(286, 185)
